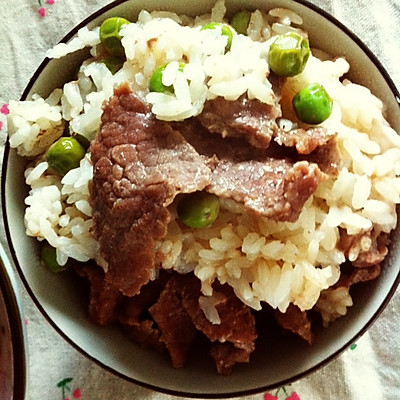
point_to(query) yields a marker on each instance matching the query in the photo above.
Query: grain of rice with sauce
(279, 263)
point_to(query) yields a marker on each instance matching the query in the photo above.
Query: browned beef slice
(295, 321)
(140, 165)
(134, 309)
(346, 242)
(300, 182)
(234, 315)
(369, 257)
(276, 189)
(251, 119)
(273, 187)
(327, 157)
(350, 276)
(226, 355)
(179, 316)
(146, 334)
(212, 146)
(135, 319)
(367, 266)
(305, 140)
(376, 254)
(104, 297)
(177, 329)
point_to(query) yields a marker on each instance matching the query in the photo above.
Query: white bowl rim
(372, 57)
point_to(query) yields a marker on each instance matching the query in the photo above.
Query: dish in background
(12, 345)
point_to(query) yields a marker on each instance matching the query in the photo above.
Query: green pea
(110, 37)
(225, 31)
(288, 54)
(312, 104)
(83, 140)
(48, 256)
(155, 82)
(65, 154)
(198, 209)
(240, 21)
(113, 63)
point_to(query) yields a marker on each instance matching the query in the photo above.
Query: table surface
(368, 370)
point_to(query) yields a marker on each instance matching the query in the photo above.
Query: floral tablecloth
(370, 369)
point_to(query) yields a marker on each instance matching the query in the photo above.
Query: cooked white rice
(264, 261)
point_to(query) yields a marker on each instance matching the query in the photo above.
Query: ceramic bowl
(271, 366)
(12, 335)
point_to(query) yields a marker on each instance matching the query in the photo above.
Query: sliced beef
(245, 118)
(377, 252)
(269, 186)
(135, 318)
(176, 326)
(135, 309)
(226, 355)
(146, 334)
(140, 165)
(366, 250)
(234, 315)
(277, 189)
(327, 157)
(179, 316)
(296, 321)
(351, 276)
(215, 147)
(369, 248)
(105, 299)
(251, 119)
(305, 140)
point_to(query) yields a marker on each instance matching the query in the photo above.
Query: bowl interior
(278, 359)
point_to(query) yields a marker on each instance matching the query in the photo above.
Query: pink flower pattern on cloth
(282, 390)
(68, 392)
(3, 112)
(42, 9)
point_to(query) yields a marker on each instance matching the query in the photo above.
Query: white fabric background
(370, 371)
